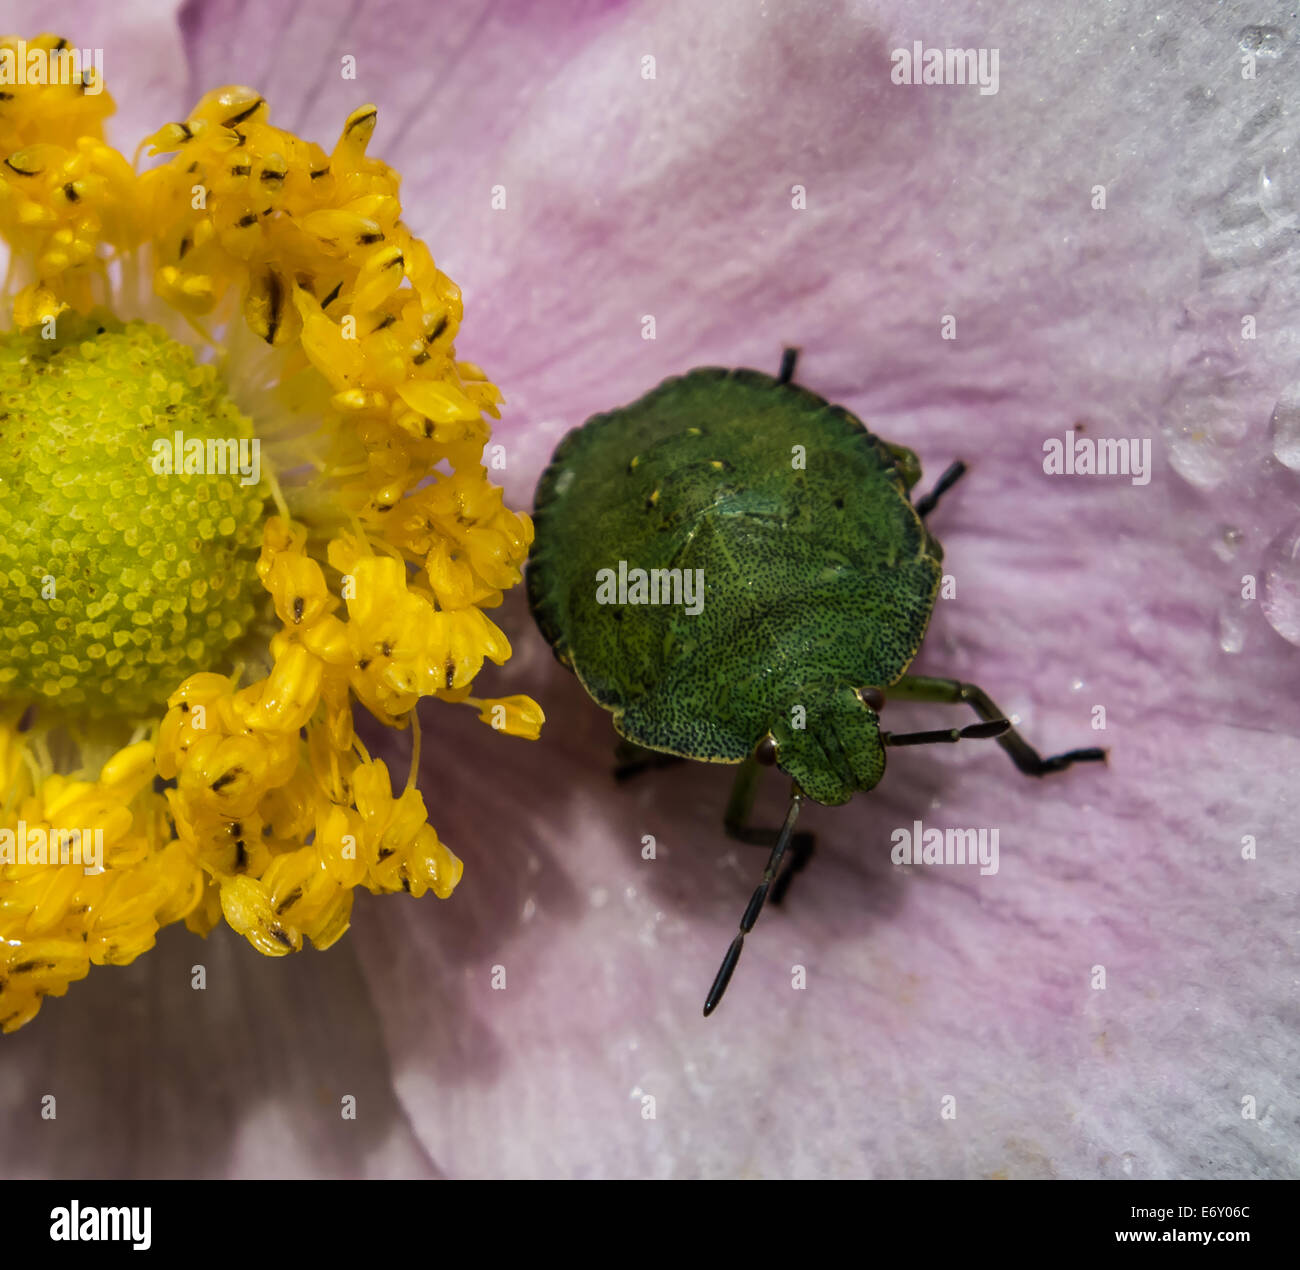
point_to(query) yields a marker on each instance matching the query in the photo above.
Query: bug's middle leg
(736, 822)
(954, 692)
(631, 760)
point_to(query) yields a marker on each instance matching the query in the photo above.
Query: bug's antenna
(753, 908)
(951, 475)
(789, 357)
(975, 732)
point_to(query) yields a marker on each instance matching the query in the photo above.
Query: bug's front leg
(952, 474)
(736, 822)
(954, 692)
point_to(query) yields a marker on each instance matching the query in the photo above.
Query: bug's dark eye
(765, 752)
(872, 697)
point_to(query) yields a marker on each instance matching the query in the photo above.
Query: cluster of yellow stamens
(64, 192)
(251, 795)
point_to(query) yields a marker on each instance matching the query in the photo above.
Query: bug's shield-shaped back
(838, 751)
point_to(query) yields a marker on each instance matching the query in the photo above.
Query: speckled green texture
(816, 581)
(152, 575)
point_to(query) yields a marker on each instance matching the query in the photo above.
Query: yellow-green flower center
(128, 533)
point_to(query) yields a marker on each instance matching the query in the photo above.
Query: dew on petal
(1285, 428)
(1276, 195)
(648, 934)
(1226, 544)
(1263, 41)
(1280, 594)
(1232, 629)
(1202, 425)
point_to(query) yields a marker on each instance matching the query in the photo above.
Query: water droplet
(1280, 595)
(1203, 424)
(648, 934)
(1226, 544)
(1276, 194)
(1285, 427)
(1264, 41)
(1232, 629)
(1199, 100)
(1076, 685)
(530, 907)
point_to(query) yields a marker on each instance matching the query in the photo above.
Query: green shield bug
(736, 570)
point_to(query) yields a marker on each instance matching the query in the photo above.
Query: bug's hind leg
(789, 358)
(954, 692)
(951, 475)
(736, 821)
(631, 760)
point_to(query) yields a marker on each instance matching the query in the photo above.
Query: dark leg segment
(953, 474)
(736, 822)
(752, 909)
(789, 357)
(940, 736)
(954, 692)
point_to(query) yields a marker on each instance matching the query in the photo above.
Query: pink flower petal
(671, 197)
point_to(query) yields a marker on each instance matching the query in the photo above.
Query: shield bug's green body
(735, 569)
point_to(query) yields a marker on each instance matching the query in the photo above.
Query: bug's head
(828, 742)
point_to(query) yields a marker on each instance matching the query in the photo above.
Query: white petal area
(245, 1076)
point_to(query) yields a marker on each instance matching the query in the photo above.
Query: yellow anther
(517, 716)
(378, 278)
(290, 694)
(244, 220)
(129, 770)
(357, 131)
(438, 401)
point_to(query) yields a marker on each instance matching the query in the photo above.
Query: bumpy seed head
(119, 574)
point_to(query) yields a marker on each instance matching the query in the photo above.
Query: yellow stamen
(252, 796)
